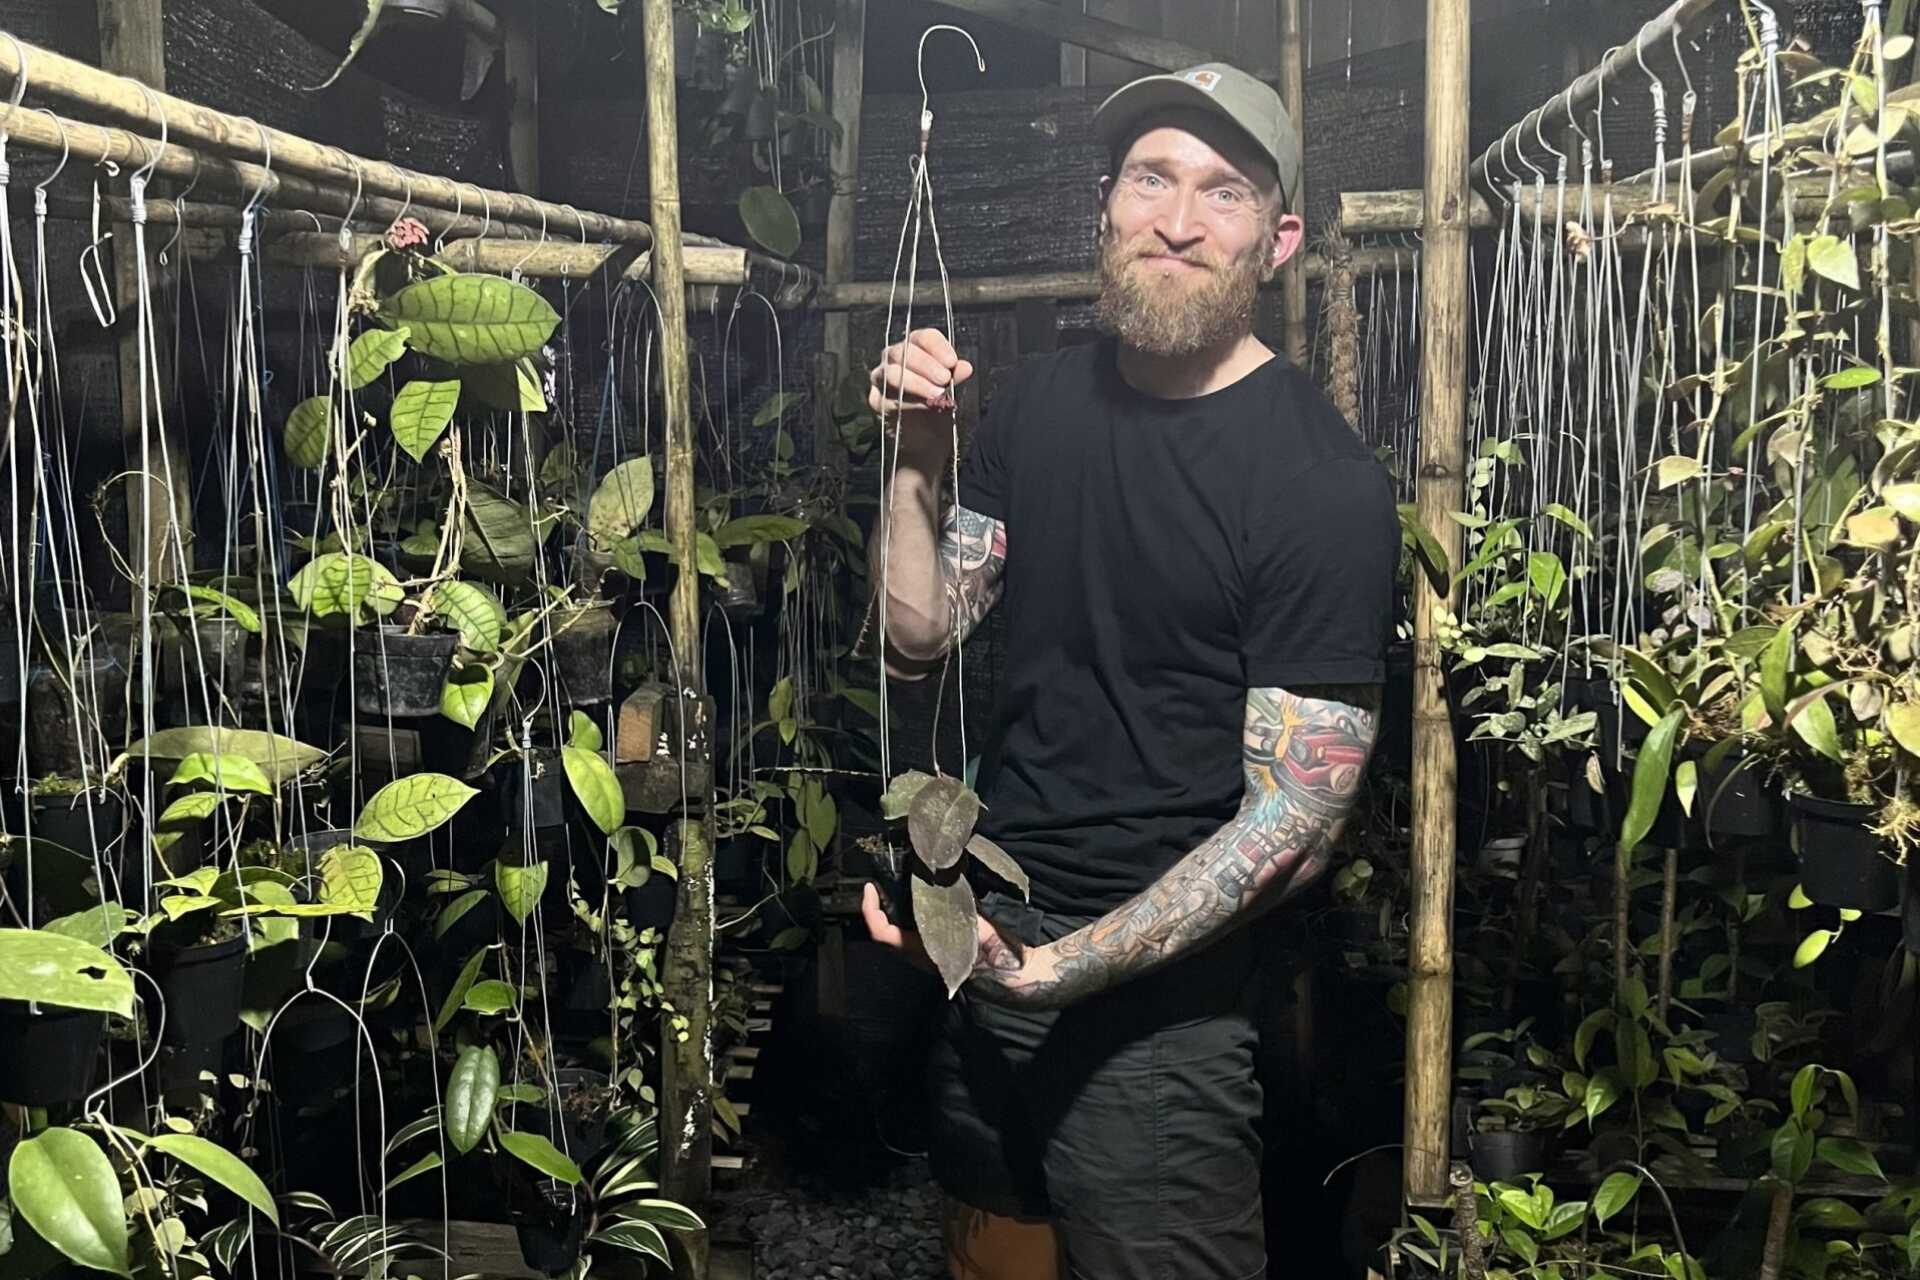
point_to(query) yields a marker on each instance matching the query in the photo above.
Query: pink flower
(407, 233)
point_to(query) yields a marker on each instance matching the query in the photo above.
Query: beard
(1176, 313)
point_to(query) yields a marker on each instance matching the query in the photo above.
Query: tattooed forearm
(1304, 751)
(973, 558)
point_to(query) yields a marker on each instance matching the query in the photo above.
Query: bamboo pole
(686, 1112)
(1341, 321)
(1443, 385)
(132, 42)
(849, 86)
(1293, 95)
(189, 126)
(521, 58)
(1102, 36)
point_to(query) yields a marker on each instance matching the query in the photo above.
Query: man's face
(1191, 227)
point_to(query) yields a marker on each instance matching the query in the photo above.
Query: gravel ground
(809, 1230)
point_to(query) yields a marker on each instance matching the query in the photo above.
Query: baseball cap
(1243, 100)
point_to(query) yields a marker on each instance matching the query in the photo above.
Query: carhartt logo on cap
(1204, 79)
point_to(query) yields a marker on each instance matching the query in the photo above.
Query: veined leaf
(421, 412)
(227, 772)
(465, 696)
(472, 319)
(520, 887)
(598, 789)
(350, 879)
(1615, 1194)
(470, 1093)
(372, 352)
(1833, 258)
(412, 806)
(475, 612)
(621, 501)
(341, 582)
(308, 434)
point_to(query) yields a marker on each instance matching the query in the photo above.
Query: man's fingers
(879, 928)
(935, 344)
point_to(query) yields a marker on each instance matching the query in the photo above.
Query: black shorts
(1130, 1119)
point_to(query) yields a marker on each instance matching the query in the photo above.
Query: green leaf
(1851, 1156)
(1650, 774)
(472, 319)
(461, 985)
(1834, 259)
(308, 434)
(520, 885)
(1851, 378)
(598, 789)
(500, 544)
(1590, 1027)
(358, 42)
(61, 971)
(666, 1213)
(63, 1185)
(467, 694)
(620, 502)
(513, 388)
(1903, 722)
(280, 758)
(1602, 1092)
(750, 531)
(425, 1164)
(1655, 684)
(1827, 1214)
(582, 732)
(421, 412)
(1801, 1092)
(1793, 264)
(542, 1155)
(96, 926)
(450, 914)
(341, 582)
(242, 614)
(475, 612)
(770, 219)
(350, 879)
(221, 1165)
(410, 807)
(1776, 660)
(1567, 517)
(1615, 1194)
(1426, 547)
(371, 353)
(1813, 947)
(230, 772)
(1677, 469)
(803, 859)
(769, 413)
(1546, 575)
(1814, 723)
(470, 1094)
(488, 996)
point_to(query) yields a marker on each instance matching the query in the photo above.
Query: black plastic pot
(310, 847)
(539, 800)
(583, 1120)
(203, 984)
(1509, 1155)
(550, 1239)
(396, 674)
(1910, 909)
(653, 904)
(1733, 801)
(10, 687)
(59, 740)
(214, 653)
(48, 1057)
(1841, 863)
(583, 655)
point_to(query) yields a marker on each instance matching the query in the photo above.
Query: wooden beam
(1293, 95)
(521, 50)
(686, 1107)
(1101, 36)
(848, 88)
(1443, 402)
(132, 44)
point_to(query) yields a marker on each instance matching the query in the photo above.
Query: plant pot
(396, 674)
(584, 1101)
(535, 793)
(1910, 909)
(202, 985)
(1733, 801)
(1508, 1155)
(653, 904)
(213, 655)
(1503, 855)
(550, 1238)
(453, 748)
(82, 724)
(310, 847)
(48, 1057)
(583, 655)
(1841, 863)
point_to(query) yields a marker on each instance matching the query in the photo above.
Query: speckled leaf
(64, 1186)
(471, 1090)
(948, 922)
(472, 319)
(940, 821)
(412, 806)
(998, 861)
(62, 971)
(307, 433)
(421, 412)
(770, 219)
(900, 793)
(372, 352)
(621, 501)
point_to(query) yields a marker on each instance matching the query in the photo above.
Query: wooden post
(1443, 390)
(132, 44)
(1293, 95)
(522, 68)
(686, 1109)
(848, 88)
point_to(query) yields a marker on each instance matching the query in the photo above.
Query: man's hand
(916, 375)
(1000, 958)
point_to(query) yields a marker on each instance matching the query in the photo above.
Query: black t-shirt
(1163, 557)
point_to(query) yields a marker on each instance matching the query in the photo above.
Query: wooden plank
(1443, 400)
(1101, 36)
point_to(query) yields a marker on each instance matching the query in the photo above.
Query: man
(1197, 559)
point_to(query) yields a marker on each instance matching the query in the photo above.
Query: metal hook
(528, 255)
(353, 207)
(459, 211)
(180, 208)
(1680, 58)
(19, 86)
(259, 194)
(139, 179)
(1560, 157)
(486, 208)
(99, 288)
(920, 69)
(40, 188)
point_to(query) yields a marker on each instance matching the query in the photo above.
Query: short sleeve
(1319, 596)
(984, 483)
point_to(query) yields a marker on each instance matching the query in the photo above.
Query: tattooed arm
(1304, 752)
(937, 588)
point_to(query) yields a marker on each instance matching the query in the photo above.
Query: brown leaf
(998, 861)
(940, 821)
(899, 795)
(947, 919)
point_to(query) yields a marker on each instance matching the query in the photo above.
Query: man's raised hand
(917, 374)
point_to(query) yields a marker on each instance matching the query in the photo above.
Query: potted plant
(58, 984)
(1514, 1134)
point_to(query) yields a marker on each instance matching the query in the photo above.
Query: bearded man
(1196, 557)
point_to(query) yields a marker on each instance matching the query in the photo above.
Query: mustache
(1143, 252)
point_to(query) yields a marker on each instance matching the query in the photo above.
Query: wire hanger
(93, 272)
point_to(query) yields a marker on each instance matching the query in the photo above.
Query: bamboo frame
(848, 88)
(1443, 397)
(1293, 95)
